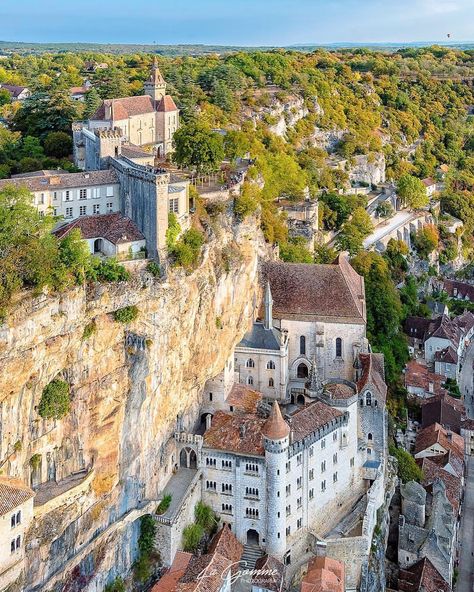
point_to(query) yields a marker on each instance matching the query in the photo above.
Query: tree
(5, 97)
(408, 470)
(296, 251)
(42, 113)
(192, 535)
(412, 192)
(247, 202)
(384, 210)
(425, 240)
(92, 102)
(324, 254)
(198, 148)
(58, 144)
(236, 144)
(55, 401)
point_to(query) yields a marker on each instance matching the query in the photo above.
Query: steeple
(155, 86)
(268, 322)
(276, 428)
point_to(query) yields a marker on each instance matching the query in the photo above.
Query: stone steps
(249, 556)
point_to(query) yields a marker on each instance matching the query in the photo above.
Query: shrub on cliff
(118, 585)
(408, 470)
(107, 270)
(127, 314)
(187, 250)
(173, 231)
(205, 517)
(55, 401)
(192, 535)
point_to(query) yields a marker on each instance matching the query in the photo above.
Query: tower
(276, 434)
(268, 321)
(155, 85)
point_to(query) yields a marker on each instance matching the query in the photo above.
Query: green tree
(425, 240)
(247, 202)
(408, 470)
(198, 148)
(92, 102)
(42, 113)
(192, 535)
(324, 254)
(412, 192)
(296, 251)
(384, 210)
(55, 401)
(236, 144)
(5, 98)
(58, 144)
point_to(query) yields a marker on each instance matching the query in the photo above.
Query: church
(141, 127)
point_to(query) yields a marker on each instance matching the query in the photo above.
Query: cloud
(437, 7)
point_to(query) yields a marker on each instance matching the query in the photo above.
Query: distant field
(182, 50)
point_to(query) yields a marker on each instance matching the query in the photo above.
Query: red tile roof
(169, 580)
(240, 433)
(226, 544)
(339, 391)
(269, 574)
(13, 493)
(243, 398)
(429, 182)
(442, 409)
(422, 577)
(115, 228)
(204, 574)
(419, 376)
(457, 289)
(324, 575)
(56, 180)
(308, 292)
(436, 434)
(124, 108)
(166, 104)
(447, 356)
(310, 418)
(373, 374)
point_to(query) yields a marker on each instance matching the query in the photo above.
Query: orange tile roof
(324, 575)
(275, 427)
(243, 398)
(166, 104)
(436, 434)
(226, 544)
(240, 433)
(13, 493)
(169, 580)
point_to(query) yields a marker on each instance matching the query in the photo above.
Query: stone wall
(127, 396)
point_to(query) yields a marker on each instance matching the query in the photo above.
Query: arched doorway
(300, 400)
(192, 460)
(188, 458)
(253, 537)
(302, 371)
(206, 420)
(98, 245)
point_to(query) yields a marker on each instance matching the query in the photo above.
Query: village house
(467, 432)
(443, 447)
(16, 514)
(444, 410)
(431, 186)
(421, 382)
(17, 93)
(422, 576)
(324, 575)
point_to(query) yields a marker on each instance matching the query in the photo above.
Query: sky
(236, 22)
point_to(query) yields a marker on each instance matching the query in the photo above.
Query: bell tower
(155, 85)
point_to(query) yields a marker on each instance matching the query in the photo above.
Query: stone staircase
(250, 555)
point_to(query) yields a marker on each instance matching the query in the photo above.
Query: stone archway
(253, 538)
(188, 458)
(302, 370)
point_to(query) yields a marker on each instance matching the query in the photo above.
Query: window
(210, 396)
(226, 464)
(55, 211)
(67, 196)
(251, 468)
(368, 399)
(299, 502)
(227, 508)
(226, 488)
(271, 382)
(299, 523)
(41, 214)
(311, 475)
(271, 365)
(174, 205)
(299, 459)
(352, 462)
(41, 199)
(299, 483)
(338, 347)
(302, 371)
(55, 195)
(369, 436)
(251, 491)
(82, 193)
(311, 451)
(288, 510)
(82, 210)
(311, 494)
(288, 531)
(211, 462)
(250, 363)
(13, 521)
(288, 490)
(302, 345)
(110, 207)
(288, 466)
(95, 192)
(96, 209)
(323, 466)
(211, 485)
(334, 478)
(110, 192)
(251, 513)
(323, 444)
(334, 459)
(12, 546)
(68, 213)
(323, 486)
(334, 436)
(250, 380)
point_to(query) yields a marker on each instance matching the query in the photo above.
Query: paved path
(465, 581)
(400, 219)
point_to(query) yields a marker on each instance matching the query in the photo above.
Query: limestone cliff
(131, 386)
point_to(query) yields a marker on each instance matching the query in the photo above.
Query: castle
(141, 127)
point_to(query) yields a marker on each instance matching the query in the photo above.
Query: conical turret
(275, 427)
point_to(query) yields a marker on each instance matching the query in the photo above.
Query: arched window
(271, 365)
(250, 380)
(369, 437)
(302, 371)
(302, 345)
(270, 382)
(250, 363)
(368, 399)
(338, 347)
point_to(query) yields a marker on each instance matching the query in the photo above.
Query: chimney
(321, 548)
(242, 431)
(268, 322)
(449, 435)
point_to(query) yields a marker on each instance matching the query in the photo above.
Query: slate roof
(467, 424)
(428, 182)
(132, 151)
(442, 409)
(124, 108)
(241, 433)
(444, 328)
(453, 484)
(114, 227)
(310, 418)
(260, 338)
(52, 180)
(269, 573)
(13, 493)
(373, 374)
(422, 577)
(243, 398)
(414, 492)
(310, 292)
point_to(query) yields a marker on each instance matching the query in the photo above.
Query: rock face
(131, 386)
(368, 169)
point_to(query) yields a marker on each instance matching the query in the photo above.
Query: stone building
(148, 121)
(16, 514)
